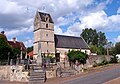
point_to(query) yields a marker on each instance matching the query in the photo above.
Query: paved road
(96, 78)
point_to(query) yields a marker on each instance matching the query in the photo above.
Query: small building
(14, 43)
(17, 44)
(48, 43)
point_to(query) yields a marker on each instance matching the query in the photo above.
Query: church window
(46, 25)
(46, 34)
(46, 18)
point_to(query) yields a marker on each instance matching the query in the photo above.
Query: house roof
(43, 17)
(30, 54)
(13, 44)
(70, 42)
(17, 45)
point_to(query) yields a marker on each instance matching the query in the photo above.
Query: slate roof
(43, 15)
(70, 42)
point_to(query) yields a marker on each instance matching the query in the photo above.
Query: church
(48, 43)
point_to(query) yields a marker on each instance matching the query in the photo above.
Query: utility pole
(21, 53)
(107, 48)
(8, 57)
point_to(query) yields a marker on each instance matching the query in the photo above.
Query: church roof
(70, 42)
(43, 17)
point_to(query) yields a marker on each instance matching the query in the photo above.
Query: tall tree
(5, 49)
(95, 40)
(101, 39)
(117, 48)
(29, 49)
(90, 36)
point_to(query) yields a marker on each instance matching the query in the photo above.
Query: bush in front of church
(79, 56)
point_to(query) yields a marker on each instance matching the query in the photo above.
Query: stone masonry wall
(13, 73)
(4, 72)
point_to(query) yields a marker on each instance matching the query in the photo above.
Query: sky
(70, 17)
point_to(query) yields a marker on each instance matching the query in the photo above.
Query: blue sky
(70, 17)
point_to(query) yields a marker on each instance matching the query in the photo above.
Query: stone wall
(13, 73)
(51, 74)
(17, 74)
(4, 72)
(92, 59)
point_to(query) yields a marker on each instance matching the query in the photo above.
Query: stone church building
(48, 43)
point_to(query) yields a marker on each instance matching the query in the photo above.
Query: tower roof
(44, 15)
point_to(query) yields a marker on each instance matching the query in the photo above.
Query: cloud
(57, 30)
(98, 20)
(94, 20)
(14, 16)
(57, 8)
(117, 39)
(17, 16)
(118, 11)
(17, 32)
(28, 42)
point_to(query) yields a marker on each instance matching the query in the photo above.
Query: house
(17, 44)
(48, 43)
(14, 43)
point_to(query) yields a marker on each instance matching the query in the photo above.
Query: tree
(94, 48)
(117, 48)
(16, 53)
(101, 39)
(95, 40)
(90, 36)
(5, 49)
(29, 49)
(77, 56)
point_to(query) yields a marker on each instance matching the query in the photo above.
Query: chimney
(14, 39)
(2, 32)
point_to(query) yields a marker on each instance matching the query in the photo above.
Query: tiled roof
(43, 15)
(30, 54)
(14, 45)
(70, 42)
(17, 45)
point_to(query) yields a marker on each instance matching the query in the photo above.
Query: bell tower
(43, 35)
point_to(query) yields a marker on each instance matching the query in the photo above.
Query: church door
(57, 56)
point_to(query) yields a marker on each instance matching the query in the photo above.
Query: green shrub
(77, 56)
(114, 59)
